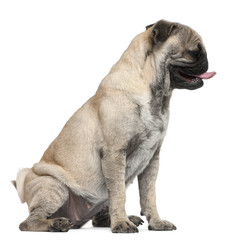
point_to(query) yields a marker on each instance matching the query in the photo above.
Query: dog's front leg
(147, 181)
(113, 165)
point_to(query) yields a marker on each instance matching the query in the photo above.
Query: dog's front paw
(161, 225)
(124, 227)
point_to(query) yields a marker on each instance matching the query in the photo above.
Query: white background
(53, 54)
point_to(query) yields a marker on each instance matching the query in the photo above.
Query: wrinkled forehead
(189, 37)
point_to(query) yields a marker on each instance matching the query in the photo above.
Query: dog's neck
(159, 99)
(139, 71)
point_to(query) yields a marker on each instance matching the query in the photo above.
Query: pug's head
(184, 54)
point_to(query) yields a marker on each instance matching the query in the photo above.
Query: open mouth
(188, 79)
(194, 78)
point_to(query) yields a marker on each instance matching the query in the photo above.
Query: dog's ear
(163, 30)
(148, 26)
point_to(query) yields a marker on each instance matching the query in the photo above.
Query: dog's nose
(200, 68)
(203, 66)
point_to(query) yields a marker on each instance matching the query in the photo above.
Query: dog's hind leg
(45, 195)
(37, 222)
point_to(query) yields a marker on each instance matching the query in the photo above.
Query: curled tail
(19, 183)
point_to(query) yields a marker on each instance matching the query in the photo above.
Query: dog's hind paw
(136, 220)
(61, 225)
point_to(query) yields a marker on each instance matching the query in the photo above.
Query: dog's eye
(198, 52)
(195, 53)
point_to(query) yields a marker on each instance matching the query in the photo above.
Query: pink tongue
(206, 75)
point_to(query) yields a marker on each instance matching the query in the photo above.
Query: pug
(115, 137)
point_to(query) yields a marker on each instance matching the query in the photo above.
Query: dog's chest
(142, 146)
